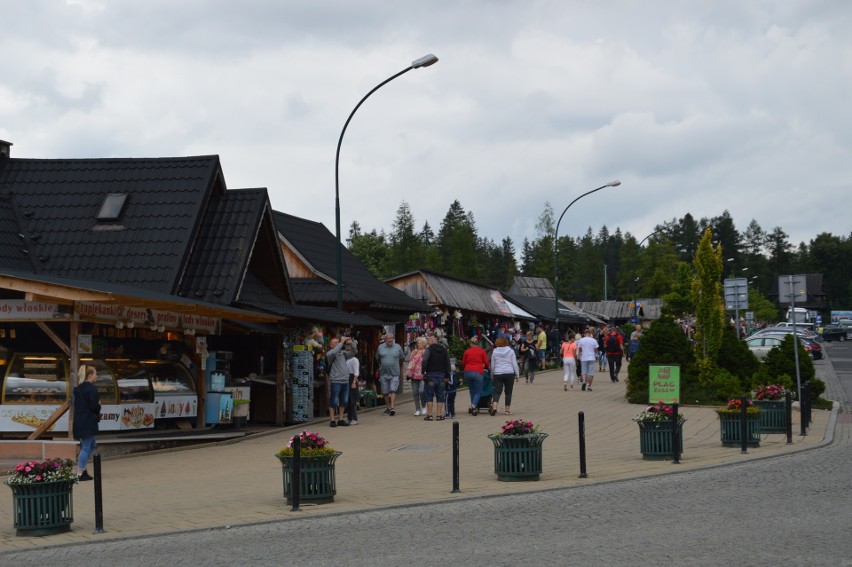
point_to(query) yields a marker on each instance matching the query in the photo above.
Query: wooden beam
(55, 338)
(53, 291)
(48, 423)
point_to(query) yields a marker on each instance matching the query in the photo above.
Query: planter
(316, 479)
(518, 457)
(773, 415)
(42, 508)
(729, 424)
(655, 439)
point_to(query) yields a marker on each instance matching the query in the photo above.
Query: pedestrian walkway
(396, 460)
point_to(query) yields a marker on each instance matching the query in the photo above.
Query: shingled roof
(316, 245)
(56, 203)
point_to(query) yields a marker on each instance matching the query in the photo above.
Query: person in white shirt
(354, 366)
(588, 349)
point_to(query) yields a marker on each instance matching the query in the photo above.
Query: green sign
(664, 383)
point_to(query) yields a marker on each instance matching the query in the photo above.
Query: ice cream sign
(152, 318)
(22, 310)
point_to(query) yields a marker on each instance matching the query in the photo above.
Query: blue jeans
(87, 447)
(435, 387)
(417, 394)
(475, 381)
(339, 396)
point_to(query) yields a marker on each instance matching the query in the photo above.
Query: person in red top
(474, 364)
(614, 348)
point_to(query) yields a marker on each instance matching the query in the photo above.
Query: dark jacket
(87, 410)
(436, 360)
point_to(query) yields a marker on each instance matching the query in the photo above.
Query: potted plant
(773, 408)
(518, 451)
(41, 496)
(655, 431)
(317, 467)
(730, 427)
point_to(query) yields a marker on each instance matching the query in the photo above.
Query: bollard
(804, 412)
(675, 437)
(456, 457)
(744, 425)
(788, 409)
(296, 480)
(582, 419)
(99, 501)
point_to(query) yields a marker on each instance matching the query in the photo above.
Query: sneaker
(589, 389)
(333, 423)
(387, 410)
(583, 387)
(342, 422)
(417, 412)
(352, 422)
(85, 476)
(392, 412)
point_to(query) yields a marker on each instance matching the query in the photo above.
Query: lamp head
(615, 183)
(424, 61)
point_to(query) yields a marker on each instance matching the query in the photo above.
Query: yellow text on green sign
(664, 383)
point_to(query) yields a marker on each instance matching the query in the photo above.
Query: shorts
(588, 367)
(389, 383)
(435, 387)
(540, 354)
(339, 395)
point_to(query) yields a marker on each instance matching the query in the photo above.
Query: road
(790, 510)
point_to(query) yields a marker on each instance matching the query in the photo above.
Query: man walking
(390, 357)
(588, 349)
(614, 351)
(541, 345)
(338, 376)
(354, 367)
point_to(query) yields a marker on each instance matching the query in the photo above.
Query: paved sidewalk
(392, 461)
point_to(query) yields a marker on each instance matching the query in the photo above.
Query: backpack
(612, 343)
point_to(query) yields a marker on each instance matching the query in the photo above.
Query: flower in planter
(770, 392)
(51, 470)
(734, 407)
(657, 413)
(518, 427)
(312, 444)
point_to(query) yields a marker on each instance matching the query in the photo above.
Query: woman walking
(504, 372)
(87, 414)
(529, 356)
(415, 374)
(474, 364)
(569, 362)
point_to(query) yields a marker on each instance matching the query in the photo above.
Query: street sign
(736, 293)
(792, 289)
(664, 383)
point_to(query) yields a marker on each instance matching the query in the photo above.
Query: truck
(802, 315)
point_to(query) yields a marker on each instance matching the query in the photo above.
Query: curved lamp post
(555, 244)
(424, 61)
(636, 303)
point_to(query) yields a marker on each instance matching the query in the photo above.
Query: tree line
(607, 265)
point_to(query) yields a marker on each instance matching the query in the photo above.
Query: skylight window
(112, 207)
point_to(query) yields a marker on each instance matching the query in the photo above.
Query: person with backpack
(614, 346)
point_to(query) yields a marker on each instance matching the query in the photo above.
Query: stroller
(487, 391)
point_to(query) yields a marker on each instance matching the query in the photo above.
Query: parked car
(813, 347)
(834, 333)
(785, 330)
(760, 345)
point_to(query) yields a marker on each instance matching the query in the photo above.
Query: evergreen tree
(709, 309)
(371, 249)
(406, 251)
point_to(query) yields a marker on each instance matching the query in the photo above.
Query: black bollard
(456, 457)
(803, 409)
(788, 410)
(744, 425)
(806, 395)
(675, 436)
(582, 419)
(296, 479)
(99, 500)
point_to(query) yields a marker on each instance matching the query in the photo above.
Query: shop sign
(175, 406)
(28, 418)
(149, 317)
(127, 417)
(22, 310)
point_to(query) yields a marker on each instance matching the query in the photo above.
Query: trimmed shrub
(663, 342)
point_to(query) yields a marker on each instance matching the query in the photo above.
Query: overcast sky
(696, 106)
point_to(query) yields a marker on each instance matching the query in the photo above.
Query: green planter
(518, 457)
(729, 424)
(316, 479)
(42, 508)
(655, 439)
(773, 415)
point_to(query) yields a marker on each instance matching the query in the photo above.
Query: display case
(169, 377)
(36, 379)
(134, 384)
(105, 382)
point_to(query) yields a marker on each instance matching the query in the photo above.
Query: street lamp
(635, 281)
(615, 183)
(424, 61)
